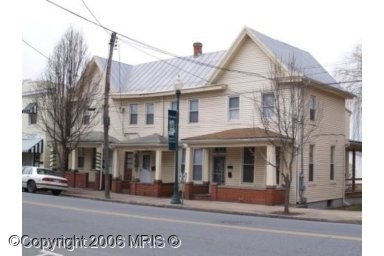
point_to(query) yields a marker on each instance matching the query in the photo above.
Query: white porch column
(158, 172)
(74, 159)
(205, 167)
(188, 169)
(270, 170)
(115, 163)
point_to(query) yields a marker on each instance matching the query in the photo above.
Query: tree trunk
(286, 198)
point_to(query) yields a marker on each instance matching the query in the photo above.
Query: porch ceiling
(234, 135)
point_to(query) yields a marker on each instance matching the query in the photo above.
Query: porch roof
(96, 137)
(234, 135)
(153, 140)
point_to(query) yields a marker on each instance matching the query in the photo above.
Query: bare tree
(350, 74)
(67, 96)
(283, 110)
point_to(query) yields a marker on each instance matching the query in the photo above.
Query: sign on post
(172, 136)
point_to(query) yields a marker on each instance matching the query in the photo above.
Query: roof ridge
(276, 40)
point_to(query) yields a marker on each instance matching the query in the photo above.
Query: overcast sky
(328, 29)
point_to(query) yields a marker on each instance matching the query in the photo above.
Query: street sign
(172, 126)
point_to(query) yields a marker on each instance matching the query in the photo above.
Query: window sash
(150, 113)
(332, 164)
(312, 108)
(193, 111)
(234, 108)
(268, 104)
(311, 163)
(133, 114)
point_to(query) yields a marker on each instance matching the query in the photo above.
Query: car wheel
(31, 186)
(56, 192)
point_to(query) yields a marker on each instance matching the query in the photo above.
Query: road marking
(125, 215)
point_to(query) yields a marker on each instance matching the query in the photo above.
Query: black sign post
(172, 129)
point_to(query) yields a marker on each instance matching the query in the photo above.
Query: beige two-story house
(223, 146)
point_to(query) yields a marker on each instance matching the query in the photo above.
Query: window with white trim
(311, 162)
(312, 108)
(194, 111)
(149, 113)
(268, 104)
(234, 108)
(332, 164)
(133, 111)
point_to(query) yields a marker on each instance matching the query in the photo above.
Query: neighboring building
(33, 139)
(222, 142)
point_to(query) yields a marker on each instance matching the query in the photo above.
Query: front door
(128, 165)
(145, 173)
(218, 169)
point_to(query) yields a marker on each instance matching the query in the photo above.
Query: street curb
(182, 207)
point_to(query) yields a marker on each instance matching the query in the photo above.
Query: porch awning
(234, 135)
(33, 145)
(30, 108)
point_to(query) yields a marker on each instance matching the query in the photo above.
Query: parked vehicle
(37, 178)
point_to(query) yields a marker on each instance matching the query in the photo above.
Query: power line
(35, 49)
(150, 47)
(89, 10)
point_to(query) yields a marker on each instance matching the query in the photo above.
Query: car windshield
(45, 171)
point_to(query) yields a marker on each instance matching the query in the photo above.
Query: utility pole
(106, 115)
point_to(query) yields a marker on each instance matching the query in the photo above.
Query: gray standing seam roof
(159, 76)
(304, 61)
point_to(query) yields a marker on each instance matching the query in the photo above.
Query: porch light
(176, 197)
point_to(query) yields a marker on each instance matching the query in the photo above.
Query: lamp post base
(175, 199)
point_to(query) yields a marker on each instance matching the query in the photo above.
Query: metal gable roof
(305, 62)
(159, 76)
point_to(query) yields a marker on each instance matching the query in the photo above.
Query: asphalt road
(74, 226)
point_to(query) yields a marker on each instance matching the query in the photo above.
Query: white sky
(327, 29)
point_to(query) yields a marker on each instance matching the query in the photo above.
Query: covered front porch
(238, 165)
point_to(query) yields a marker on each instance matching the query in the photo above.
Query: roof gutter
(210, 88)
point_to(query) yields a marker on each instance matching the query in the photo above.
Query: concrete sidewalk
(329, 215)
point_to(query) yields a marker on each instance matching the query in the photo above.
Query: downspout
(163, 119)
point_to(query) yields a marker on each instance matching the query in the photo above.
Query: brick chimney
(197, 49)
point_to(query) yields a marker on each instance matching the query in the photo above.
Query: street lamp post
(176, 197)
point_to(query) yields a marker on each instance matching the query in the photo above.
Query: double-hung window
(150, 113)
(332, 164)
(133, 109)
(311, 162)
(312, 108)
(234, 108)
(193, 111)
(268, 104)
